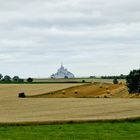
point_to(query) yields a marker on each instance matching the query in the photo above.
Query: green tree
(7, 78)
(115, 81)
(30, 80)
(133, 81)
(1, 76)
(16, 79)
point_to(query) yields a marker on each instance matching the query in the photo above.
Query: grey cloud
(97, 36)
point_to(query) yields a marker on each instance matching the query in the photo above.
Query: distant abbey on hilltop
(62, 73)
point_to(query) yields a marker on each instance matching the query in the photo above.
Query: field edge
(131, 119)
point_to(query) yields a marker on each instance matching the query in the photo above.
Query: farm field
(77, 80)
(63, 110)
(92, 90)
(97, 131)
(60, 110)
(12, 90)
(88, 91)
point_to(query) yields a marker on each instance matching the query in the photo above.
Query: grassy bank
(84, 131)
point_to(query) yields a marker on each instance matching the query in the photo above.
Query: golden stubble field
(12, 90)
(18, 110)
(90, 90)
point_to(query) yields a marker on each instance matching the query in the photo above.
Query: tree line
(8, 79)
(114, 77)
(132, 80)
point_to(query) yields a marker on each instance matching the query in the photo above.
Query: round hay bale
(107, 87)
(120, 83)
(76, 91)
(101, 86)
(105, 96)
(108, 91)
(63, 92)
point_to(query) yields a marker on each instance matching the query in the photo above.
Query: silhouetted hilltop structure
(62, 73)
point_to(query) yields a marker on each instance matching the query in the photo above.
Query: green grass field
(84, 131)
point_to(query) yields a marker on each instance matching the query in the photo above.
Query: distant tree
(122, 76)
(133, 81)
(112, 77)
(92, 77)
(16, 79)
(83, 81)
(7, 78)
(1, 76)
(21, 80)
(115, 81)
(30, 80)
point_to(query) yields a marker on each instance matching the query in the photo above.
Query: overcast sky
(90, 37)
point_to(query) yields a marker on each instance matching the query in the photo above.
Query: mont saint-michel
(62, 73)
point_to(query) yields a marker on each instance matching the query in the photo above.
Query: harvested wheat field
(96, 90)
(52, 110)
(39, 110)
(12, 90)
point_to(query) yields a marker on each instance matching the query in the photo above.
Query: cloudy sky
(90, 37)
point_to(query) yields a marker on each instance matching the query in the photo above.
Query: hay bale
(76, 91)
(21, 95)
(120, 83)
(108, 91)
(101, 86)
(107, 87)
(105, 96)
(63, 92)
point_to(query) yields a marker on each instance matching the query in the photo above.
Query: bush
(115, 81)
(30, 80)
(83, 81)
(133, 81)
